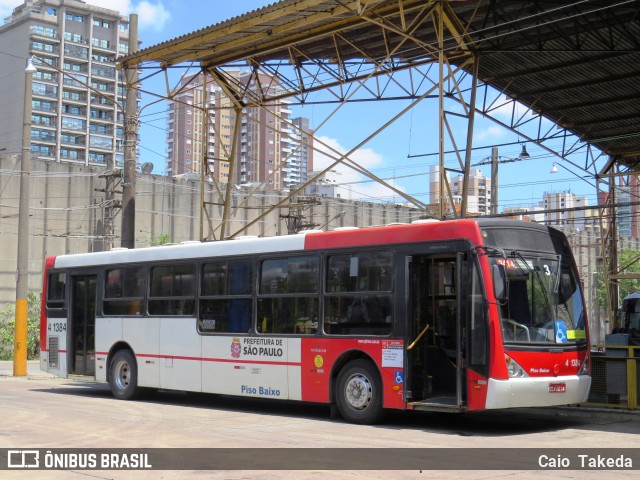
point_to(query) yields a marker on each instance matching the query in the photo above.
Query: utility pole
(131, 139)
(295, 218)
(494, 181)
(22, 271)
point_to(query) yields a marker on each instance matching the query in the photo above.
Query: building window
(52, 11)
(74, 17)
(96, 42)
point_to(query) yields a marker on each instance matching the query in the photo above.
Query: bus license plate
(557, 387)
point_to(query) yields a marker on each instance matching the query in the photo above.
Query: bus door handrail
(413, 344)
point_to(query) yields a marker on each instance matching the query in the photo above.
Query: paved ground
(33, 369)
(43, 412)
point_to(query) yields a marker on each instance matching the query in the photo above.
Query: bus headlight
(515, 370)
(584, 369)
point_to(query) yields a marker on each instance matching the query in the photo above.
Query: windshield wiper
(556, 287)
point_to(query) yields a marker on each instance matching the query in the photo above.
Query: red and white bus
(459, 316)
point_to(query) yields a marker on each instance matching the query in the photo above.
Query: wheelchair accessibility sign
(560, 329)
(398, 376)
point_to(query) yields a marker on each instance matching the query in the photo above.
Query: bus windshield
(544, 304)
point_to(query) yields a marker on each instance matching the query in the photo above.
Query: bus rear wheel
(359, 393)
(123, 377)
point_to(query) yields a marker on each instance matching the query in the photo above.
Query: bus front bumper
(537, 391)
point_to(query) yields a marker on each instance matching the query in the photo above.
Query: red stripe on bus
(390, 235)
(220, 360)
(49, 263)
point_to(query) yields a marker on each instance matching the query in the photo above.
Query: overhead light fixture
(524, 154)
(554, 168)
(31, 68)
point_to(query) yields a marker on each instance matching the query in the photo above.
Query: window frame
(135, 304)
(168, 305)
(353, 311)
(287, 300)
(226, 296)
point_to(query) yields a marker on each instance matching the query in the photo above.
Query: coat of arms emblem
(235, 348)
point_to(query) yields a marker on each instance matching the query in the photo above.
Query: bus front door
(434, 353)
(81, 331)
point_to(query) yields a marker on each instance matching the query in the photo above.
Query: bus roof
(420, 231)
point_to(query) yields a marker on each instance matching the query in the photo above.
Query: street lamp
(494, 160)
(22, 271)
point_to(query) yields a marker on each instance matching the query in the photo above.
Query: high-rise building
(627, 210)
(299, 161)
(565, 208)
(272, 147)
(74, 47)
(478, 199)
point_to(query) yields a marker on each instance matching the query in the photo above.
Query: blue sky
(402, 155)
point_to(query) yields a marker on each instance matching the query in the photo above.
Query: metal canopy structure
(574, 66)
(576, 63)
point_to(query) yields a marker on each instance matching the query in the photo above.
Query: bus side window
(288, 295)
(357, 298)
(225, 297)
(173, 290)
(124, 291)
(56, 287)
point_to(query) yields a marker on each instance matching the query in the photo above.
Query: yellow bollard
(20, 339)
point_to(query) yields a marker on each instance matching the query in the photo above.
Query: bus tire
(123, 377)
(359, 393)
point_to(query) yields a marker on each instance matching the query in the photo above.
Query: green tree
(628, 262)
(7, 328)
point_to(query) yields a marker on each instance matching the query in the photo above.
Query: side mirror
(499, 274)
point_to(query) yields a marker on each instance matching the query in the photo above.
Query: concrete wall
(67, 215)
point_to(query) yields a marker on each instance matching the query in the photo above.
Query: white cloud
(492, 131)
(122, 6)
(504, 108)
(7, 6)
(367, 158)
(153, 15)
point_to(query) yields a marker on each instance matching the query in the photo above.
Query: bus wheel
(359, 393)
(124, 376)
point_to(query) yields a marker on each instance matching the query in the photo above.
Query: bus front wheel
(359, 393)
(123, 377)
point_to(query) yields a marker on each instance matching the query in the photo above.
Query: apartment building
(271, 147)
(479, 197)
(74, 46)
(566, 208)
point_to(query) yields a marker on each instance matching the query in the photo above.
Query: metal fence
(615, 378)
